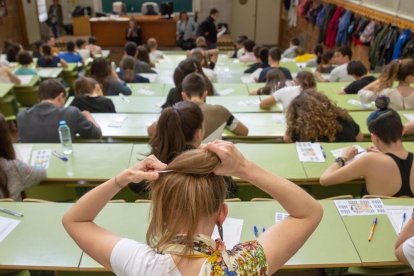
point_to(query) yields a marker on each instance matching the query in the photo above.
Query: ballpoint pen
(374, 225)
(60, 156)
(11, 212)
(255, 231)
(404, 217)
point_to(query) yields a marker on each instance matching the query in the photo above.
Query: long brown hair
(6, 152)
(275, 80)
(176, 127)
(306, 80)
(312, 115)
(396, 70)
(128, 65)
(181, 198)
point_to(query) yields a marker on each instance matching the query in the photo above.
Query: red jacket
(333, 28)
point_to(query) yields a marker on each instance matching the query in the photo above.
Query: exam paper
(6, 226)
(23, 152)
(358, 103)
(395, 215)
(360, 207)
(145, 91)
(249, 102)
(226, 91)
(232, 228)
(310, 152)
(279, 118)
(118, 121)
(222, 31)
(24, 80)
(41, 158)
(410, 117)
(338, 152)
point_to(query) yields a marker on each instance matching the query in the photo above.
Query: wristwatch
(340, 161)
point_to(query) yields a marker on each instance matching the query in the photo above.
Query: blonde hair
(181, 198)
(395, 70)
(84, 86)
(152, 43)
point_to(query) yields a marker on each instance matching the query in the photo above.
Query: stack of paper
(360, 207)
(6, 226)
(310, 152)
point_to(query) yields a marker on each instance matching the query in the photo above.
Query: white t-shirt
(286, 95)
(408, 249)
(340, 74)
(397, 101)
(131, 258)
(248, 57)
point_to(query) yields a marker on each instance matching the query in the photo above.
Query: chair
(150, 8)
(234, 199)
(117, 201)
(215, 135)
(143, 201)
(6, 200)
(262, 199)
(36, 200)
(340, 197)
(378, 196)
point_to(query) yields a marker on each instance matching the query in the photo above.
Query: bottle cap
(62, 122)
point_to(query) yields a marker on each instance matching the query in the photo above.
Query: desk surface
(5, 89)
(39, 241)
(241, 104)
(147, 89)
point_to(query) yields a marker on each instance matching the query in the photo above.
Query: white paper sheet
(247, 79)
(279, 118)
(410, 117)
(359, 104)
(310, 152)
(23, 152)
(249, 102)
(41, 158)
(395, 215)
(24, 80)
(226, 91)
(360, 207)
(118, 121)
(150, 76)
(232, 229)
(338, 152)
(280, 216)
(145, 91)
(6, 226)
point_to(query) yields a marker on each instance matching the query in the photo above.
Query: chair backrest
(143, 201)
(262, 199)
(150, 8)
(234, 199)
(6, 200)
(378, 196)
(36, 200)
(215, 135)
(340, 197)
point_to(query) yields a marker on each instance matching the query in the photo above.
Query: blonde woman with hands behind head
(187, 203)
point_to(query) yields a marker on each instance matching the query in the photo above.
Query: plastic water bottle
(113, 66)
(65, 137)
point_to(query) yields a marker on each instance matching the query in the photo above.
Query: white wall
(31, 21)
(268, 21)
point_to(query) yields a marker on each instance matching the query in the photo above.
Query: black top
(208, 29)
(404, 166)
(136, 35)
(94, 104)
(357, 85)
(254, 67)
(350, 130)
(173, 97)
(286, 72)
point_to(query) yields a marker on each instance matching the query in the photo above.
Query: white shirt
(209, 74)
(155, 56)
(397, 101)
(286, 95)
(340, 74)
(131, 258)
(408, 249)
(248, 57)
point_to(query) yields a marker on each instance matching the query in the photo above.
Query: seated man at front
(195, 90)
(39, 124)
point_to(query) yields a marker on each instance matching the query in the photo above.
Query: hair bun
(382, 102)
(197, 161)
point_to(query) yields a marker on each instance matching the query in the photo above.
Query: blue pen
(60, 156)
(263, 230)
(255, 231)
(323, 152)
(403, 221)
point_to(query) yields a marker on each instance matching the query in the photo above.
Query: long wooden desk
(8, 103)
(111, 32)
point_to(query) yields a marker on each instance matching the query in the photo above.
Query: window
(42, 9)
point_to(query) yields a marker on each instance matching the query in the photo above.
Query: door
(243, 17)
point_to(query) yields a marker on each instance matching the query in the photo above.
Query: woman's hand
(232, 161)
(349, 153)
(143, 170)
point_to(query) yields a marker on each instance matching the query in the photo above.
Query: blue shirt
(71, 57)
(53, 62)
(23, 71)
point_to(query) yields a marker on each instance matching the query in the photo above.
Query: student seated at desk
(142, 55)
(25, 60)
(89, 97)
(201, 56)
(275, 55)
(184, 68)
(49, 60)
(71, 55)
(313, 117)
(389, 156)
(238, 47)
(195, 90)
(275, 80)
(111, 84)
(304, 80)
(210, 54)
(93, 48)
(359, 72)
(51, 41)
(39, 123)
(262, 59)
(6, 76)
(342, 57)
(13, 51)
(133, 33)
(127, 72)
(154, 53)
(402, 96)
(187, 203)
(37, 45)
(248, 55)
(82, 50)
(325, 66)
(131, 49)
(290, 52)
(15, 175)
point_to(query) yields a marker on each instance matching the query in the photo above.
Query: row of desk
(39, 242)
(96, 163)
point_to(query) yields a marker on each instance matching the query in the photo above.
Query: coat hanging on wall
(3, 8)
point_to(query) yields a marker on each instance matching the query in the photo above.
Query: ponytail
(388, 75)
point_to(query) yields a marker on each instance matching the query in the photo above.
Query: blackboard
(135, 5)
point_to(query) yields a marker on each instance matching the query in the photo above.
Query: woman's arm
(96, 241)
(267, 102)
(406, 233)
(281, 241)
